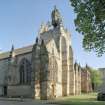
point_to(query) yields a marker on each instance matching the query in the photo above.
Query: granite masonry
(45, 69)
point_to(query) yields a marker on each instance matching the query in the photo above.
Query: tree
(90, 21)
(95, 78)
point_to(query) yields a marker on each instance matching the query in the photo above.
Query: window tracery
(25, 71)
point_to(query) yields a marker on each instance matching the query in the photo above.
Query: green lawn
(84, 99)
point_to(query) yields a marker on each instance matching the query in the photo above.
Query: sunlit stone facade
(43, 70)
(86, 83)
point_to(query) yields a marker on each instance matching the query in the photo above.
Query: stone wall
(50, 59)
(3, 75)
(18, 91)
(77, 69)
(86, 85)
(71, 73)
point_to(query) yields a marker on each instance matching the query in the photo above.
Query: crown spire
(56, 17)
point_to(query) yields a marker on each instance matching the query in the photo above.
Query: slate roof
(18, 51)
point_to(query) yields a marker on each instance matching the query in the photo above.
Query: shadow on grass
(89, 99)
(82, 103)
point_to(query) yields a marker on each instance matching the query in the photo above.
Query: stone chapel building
(44, 69)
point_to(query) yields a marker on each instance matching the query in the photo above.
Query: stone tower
(52, 61)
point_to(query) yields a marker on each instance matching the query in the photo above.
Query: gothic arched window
(21, 74)
(25, 71)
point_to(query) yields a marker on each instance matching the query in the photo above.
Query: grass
(84, 99)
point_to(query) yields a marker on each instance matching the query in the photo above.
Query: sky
(20, 21)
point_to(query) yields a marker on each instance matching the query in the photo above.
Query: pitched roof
(18, 51)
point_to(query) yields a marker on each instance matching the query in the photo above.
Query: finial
(79, 66)
(55, 7)
(42, 42)
(43, 28)
(12, 48)
(37, 40)
(75, 62)
(12, 54)
(48, 24)
(86, 66)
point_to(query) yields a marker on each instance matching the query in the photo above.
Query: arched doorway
(5, 90)
(25, 71)
(64, 66)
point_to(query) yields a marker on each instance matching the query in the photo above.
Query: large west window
(25, 71)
